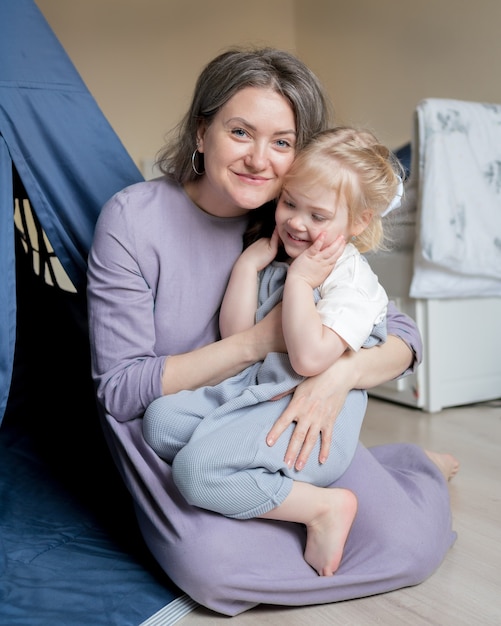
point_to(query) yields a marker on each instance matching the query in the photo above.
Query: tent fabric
(62, 565)
(70, 549)
(8, 281)
(66, 153)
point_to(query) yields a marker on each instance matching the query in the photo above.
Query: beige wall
(140, 58)
(378, 58)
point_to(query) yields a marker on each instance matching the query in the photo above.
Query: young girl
(337, 189)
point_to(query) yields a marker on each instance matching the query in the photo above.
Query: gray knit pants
(215, 438)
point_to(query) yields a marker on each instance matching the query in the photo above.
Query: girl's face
(247, 148)
(302, 214)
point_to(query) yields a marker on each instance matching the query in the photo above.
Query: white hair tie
(397, 200)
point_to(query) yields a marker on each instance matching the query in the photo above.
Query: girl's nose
(296, 222)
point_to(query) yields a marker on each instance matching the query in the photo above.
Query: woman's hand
(317, 401)
(314, 407)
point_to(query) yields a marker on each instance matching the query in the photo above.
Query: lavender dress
(154, 291)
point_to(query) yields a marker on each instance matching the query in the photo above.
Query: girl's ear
(362, 222)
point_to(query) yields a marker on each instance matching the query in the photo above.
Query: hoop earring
(194, 167)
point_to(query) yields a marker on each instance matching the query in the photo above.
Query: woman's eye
(283, 143)
(239, 132)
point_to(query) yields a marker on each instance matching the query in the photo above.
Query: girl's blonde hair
(356, 165)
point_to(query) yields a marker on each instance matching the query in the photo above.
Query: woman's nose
(256, 157)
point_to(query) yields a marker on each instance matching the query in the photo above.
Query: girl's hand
(315, 263)
(314, 407)
(262, 252)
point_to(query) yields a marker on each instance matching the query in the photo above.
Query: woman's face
(247, 148)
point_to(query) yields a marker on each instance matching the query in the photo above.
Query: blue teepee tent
(70, 552)
(68, 157)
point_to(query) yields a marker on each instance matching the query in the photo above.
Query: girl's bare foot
(446, 463)
(328, 531)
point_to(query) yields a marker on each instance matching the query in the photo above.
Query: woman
(161, 258)
(335, 191)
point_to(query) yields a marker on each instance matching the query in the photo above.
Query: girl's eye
(319, 218)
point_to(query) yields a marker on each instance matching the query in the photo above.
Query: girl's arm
(312, 347)
(238, 309)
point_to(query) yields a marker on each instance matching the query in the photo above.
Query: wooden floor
(466, 589)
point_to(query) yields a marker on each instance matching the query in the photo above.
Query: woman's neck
(200, 194)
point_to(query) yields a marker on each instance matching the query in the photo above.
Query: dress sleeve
(125, 368)
(404, 327)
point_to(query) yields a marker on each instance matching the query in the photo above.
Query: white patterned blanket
(457, 251)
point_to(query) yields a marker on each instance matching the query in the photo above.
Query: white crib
(445, 268)
(461, 338)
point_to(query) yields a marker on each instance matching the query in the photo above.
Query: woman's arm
(220, 360)
(136, 282)
(317, 401)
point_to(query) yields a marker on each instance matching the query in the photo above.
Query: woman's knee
(195, 566)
